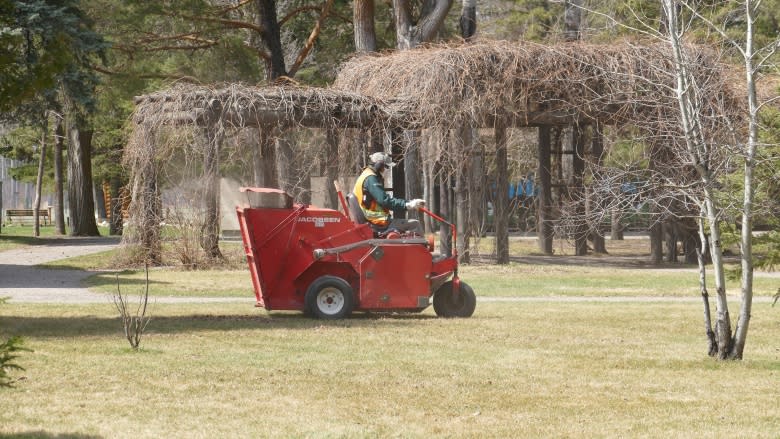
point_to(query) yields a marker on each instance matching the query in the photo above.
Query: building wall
(16, 194)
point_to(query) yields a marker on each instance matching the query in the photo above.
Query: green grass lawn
(512, 280)
(16, 235)
(522, 280)
(541, 369)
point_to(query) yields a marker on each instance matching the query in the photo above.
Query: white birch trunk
(746, 253)
(697, 150)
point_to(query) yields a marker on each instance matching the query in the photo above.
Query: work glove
(415, 204)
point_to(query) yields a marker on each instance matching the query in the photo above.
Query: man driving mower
(376, 204)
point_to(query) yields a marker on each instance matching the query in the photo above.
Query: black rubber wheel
(445, 304)
(329, 297)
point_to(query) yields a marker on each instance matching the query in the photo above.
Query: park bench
(22, 214)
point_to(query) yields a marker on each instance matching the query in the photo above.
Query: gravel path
(21, 280)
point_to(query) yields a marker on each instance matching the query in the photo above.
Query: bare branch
(315, 32)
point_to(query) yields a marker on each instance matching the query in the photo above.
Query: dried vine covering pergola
(493, 84)
(500, 84)
(533, 84)
(182, 117)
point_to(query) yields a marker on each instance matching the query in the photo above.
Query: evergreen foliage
(46, 45)
(8, 354)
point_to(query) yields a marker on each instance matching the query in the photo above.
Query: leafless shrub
(134, 322)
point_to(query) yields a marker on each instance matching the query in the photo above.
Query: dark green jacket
(375, 187)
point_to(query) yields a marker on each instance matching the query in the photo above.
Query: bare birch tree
(705, 146)
(697, 147)
(702, 153)
(727, 345)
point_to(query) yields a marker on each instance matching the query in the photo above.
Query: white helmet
(379, 157)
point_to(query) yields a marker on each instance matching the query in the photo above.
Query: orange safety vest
(374, 213)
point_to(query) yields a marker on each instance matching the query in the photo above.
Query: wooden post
(461, 149)
(210, 231)
(145, 206)
(597, 151)
(616, 225)
(267, 176)
(398, 172)
(544, 214)
(445, 195)
(288, 180)
(578, 191)
(501, 206)
(413, 181)
(332, 166)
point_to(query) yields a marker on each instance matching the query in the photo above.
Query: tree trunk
(468, 19)
(267, 21)
(59, 181)
(81, 202)
(501, 202)
(363, 19)
(39, 182)
(696, 147)
(712, 349)
(100, 202)
(210, 231)
(410, 34)
(746, 234)
(723, 320)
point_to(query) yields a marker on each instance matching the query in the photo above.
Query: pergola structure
(501, 84)
(489, 84)
(198, 118)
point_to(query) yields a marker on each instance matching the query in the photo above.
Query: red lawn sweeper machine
(328, 263)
